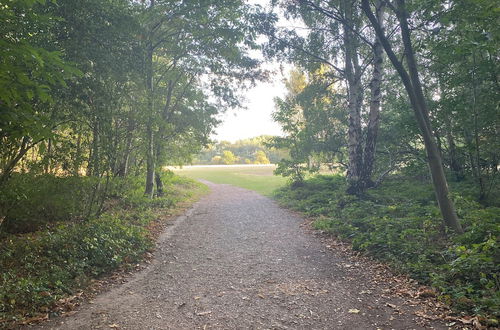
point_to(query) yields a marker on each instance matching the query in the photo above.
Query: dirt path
(238, 261)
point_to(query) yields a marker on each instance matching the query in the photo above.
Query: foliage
(29, 202)
(398, 222)
(139, 84)
(228, 157)
(314, 125)
(40, 268)
(28, 74)
(246, 151)
(261, 158)
(454, 66)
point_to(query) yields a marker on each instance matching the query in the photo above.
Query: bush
(399, 223)
(39, 268)
(28, 202)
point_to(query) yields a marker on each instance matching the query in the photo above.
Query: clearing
(258, 178)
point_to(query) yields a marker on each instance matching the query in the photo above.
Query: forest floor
(237, 260)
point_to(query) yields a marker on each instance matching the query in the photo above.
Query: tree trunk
(150, 161)
(150, 157)
(124, 166)
(477, 153)
(95, 149)
(374, 115)
(355, 98)
(150, 143)
(78, 155)
(455, 165)
(159, 185)
(46, 166)
(413, 87)
(160, 136)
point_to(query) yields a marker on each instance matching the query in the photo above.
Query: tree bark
(374, 114)
(355, 97)
(95, 171)
(78, 155)
(150, 157)
(150, 143)
(414, 89)
(455, 165)
(159, 185)
(124, 166)
(48, 156)
(477, 153)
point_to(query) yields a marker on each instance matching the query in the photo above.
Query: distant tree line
(245, 151)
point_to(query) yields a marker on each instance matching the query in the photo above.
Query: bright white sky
(256, 119)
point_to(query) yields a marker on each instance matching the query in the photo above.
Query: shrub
(28, 202)
(40, 269)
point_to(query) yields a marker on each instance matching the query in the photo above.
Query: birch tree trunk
(374, 114)
(150, 157)
(355, 97)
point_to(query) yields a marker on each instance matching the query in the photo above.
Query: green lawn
(254, 177)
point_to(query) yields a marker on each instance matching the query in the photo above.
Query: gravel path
(238, 261)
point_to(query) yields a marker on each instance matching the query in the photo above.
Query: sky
(256, 119)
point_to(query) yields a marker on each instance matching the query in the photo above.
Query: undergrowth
(400, 223)
(39, 268)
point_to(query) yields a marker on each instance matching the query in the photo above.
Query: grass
(258, 178)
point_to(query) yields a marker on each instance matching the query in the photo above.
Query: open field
(259, 178)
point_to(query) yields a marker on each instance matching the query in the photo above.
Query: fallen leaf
(114, 326)
(354, 311)
(422, 314)
(426, 293)
(36, 319)
(204, 313)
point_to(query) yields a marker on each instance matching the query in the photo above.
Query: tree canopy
(104, 88)
(382, 86)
